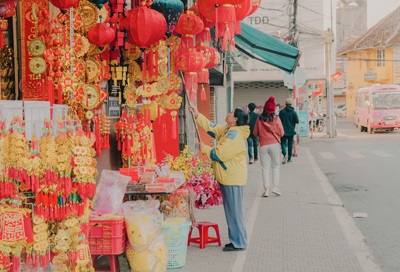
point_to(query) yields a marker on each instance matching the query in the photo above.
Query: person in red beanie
(269, 130)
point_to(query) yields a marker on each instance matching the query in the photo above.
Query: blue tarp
(266, 48)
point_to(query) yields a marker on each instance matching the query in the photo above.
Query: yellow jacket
(229, 156)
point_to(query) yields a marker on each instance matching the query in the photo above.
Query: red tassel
(204, 36)
(238, 28)
(59, 92)
(203, 76)
(191, 95)
(1, 40)
(187, 41)
(203, 96)
(191, 81)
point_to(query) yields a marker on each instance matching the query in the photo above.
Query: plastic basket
(176, 238)
(106, 228)
(107, 237)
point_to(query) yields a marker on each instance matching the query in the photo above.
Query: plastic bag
(110, 191)
(142, 222)
(151, 259)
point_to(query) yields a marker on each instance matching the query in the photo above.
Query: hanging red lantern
(64, 5)
(223, 13)
(188, 26)
(205, 34)
(101, 34)
(241, 11)
(212, 59)
(146, 26)
(190, 62)
(255, 4)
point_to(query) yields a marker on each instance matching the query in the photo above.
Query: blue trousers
(234, 213)
(289, 140)
(252, 144)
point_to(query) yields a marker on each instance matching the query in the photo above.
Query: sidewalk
(304, 230)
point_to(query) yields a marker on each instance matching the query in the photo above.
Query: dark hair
(268, 117)
(241, 117)
(252, 106)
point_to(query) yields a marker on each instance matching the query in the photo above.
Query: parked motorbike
(317, 123)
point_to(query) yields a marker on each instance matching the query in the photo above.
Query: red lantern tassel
(1, 40)
(238, 28)
(144, 69)
(150, 65)
(191, 95)
(203, 96)
(59, 91)
(204, 36)
(191, 81)
(203, 76)
(174, 126)
(187, 41)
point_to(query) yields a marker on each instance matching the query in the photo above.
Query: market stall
(94, 77)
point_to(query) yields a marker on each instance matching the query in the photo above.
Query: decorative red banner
(32, 84)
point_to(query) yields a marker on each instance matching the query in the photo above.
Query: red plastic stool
(203, 238)
(113, 261)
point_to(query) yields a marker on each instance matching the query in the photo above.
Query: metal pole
(328, 38)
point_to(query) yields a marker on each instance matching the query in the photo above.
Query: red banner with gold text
(31, 85)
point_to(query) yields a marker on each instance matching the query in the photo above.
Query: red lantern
(188, 26)
(190, 62)
(101, 34)
(255, 4)
(64, 5)
(224, 16)
(212, 58)
(146, 26)
(204, 35)
(242, 10)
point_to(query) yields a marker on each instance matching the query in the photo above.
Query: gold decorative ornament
(170, 102)
(162, 51)
(91, 97)
(89, 115)
(163, 85)
(36, 47)
(130, 95)
(163, 68)
(92, 70)
(95, 50)
(90, 15)
(37, 65)
(135, 73)
(147, 90)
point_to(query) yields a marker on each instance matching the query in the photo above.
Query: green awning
(266, 48)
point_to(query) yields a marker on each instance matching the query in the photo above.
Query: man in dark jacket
(252, 141)
(289, 120)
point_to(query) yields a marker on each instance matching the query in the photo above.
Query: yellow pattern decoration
(148, 90)
(130, 95)
(170, 102)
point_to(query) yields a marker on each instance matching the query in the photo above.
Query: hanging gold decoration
(130, 95)
(172, 101)
(92, 70)
(148, 90)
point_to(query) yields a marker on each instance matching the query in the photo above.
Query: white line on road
(354, 154)
(327, 155)
(381, 153)
(354, 236)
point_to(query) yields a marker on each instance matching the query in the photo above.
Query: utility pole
(293, 23)
(328, 39)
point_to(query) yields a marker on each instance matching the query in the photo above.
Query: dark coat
(289, 120)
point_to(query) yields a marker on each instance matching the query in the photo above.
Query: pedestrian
(289, 120)
(269, 130)
(230, 169)
(252, 141)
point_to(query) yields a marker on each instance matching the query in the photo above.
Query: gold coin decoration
(90, 15)
(36, 47)
(147, 90)
(91, 97)
(130, 96)
(37, 65)
(92, 70)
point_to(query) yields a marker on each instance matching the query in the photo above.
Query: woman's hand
(194, 111)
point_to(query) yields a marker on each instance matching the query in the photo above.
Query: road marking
(327, 155)
(381, 153)
(354, 154)
(353, 234)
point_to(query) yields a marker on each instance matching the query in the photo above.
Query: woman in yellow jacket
(230, 169)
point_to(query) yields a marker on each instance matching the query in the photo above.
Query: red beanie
(270, 105)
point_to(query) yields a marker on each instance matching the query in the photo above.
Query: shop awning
(263, 47)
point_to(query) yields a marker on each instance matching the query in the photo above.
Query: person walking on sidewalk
(289, 120)
(230, 169)
(269, 130)
(252, 140)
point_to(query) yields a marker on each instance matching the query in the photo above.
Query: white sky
(378, 9)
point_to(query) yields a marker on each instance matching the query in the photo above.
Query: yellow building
(373, 58)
